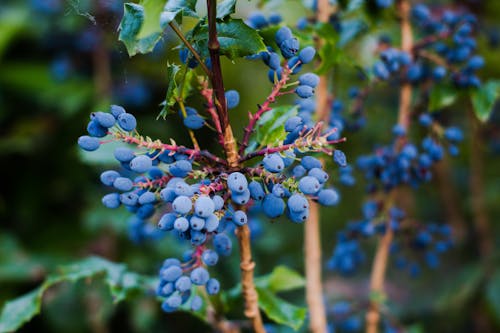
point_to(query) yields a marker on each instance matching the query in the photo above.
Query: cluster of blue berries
(258, 20)
(198, 202)
(399, 163)
(344, 318)
(449, 36)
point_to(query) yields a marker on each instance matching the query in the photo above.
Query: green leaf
(280, 310)
(12, 21)
(136, 17)
(269, 129)
(121, 282)
(441, 97)
(281, 278)
(225, 8)
(236, 39)
(172, 91)
(152, 12)
(462, 286)
(484, 99)
(493, 294)
(175, 7)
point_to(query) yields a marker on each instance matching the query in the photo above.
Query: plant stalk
(312, 239)
(381, 258)
(247, 264)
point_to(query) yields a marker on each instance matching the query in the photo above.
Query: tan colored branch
(247, 266)
(379, 267)
(312, 239)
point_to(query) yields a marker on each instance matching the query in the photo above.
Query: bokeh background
(61, 60)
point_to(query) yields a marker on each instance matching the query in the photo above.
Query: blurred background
(61, 60)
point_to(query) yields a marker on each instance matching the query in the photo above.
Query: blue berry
(328, 197)
(209, 257)
(168, 194)
(223, 244)
(273, 163)
(304, 91)
(183, 284)
(292, 123)
(123, 154)
(194, 122)
(309, 185)
(116, 110)
(257, 20)
(273, 206)
(212, 286)
(298, 171)
(211, 223)
(306, 55)
(199, 276)
(275, 18)
(298, 203)
(129, 198)
(108, 177)
(88, 143)
(123, 184)
(339, 158)
(196, 303)
(232, 99)
(319, 174)
(167, 221)
(384, 3)
(309, 79)
(283, 34)
(147, 198)
(240, 218)
(438, 73)
(111, 200)
(204, 206)
(241, 198)
(104, 119)
(289, 47)
(196, 223)
(171, 273)
(181, 224)
(127, 122)
(180, 168)
(425, 120)
(218, 202)
(237, 182)
(310, 162)
(256, 190)
(141, 163)
(381, 71)
(96, 130)
(274, 61)
(182, 205)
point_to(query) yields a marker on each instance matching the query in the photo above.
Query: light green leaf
(175, 7)
(225, 8)
(172, 91)
(12, 21)
(484, 99)
(493, 294)
(134, 18)
(281, 279)
(152, 12)
(280, 310)
(121, 282)
(235, 37)
(441, 97)
(19, 311)
(270, 129)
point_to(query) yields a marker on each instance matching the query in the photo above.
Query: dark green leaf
(188, 7)
(484, 99)
(493, 294)
(460, 288)
(281, 279)
(235, 37)
(121, 283)
(269, 129)
(441, 97)
(136, 17)
(172, 91)
(280, 310)
(225, 8)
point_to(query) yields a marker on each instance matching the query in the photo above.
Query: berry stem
(380, 260)
(265, 107)
(243, 233)
(179, 34)
(312, 239)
